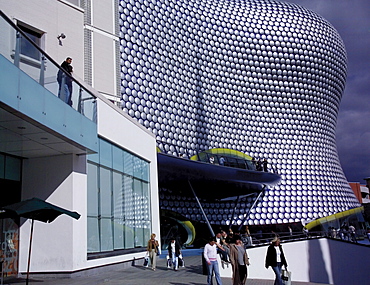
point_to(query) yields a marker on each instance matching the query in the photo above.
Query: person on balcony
(65, 81)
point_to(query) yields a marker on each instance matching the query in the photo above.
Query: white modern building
(89, 157)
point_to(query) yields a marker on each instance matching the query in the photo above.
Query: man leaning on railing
(65, 81)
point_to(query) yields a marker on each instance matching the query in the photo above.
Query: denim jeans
(277, 271)
(213, 267)
(65, 94)
(175, 261)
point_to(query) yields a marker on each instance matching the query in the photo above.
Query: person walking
(152, 249)
(174, 251)
(239, 261)
(276, 259)
(210, 255)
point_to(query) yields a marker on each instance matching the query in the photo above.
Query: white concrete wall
(53, 18)
(315, 260)
(60, 245)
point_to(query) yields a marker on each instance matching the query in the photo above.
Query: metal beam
(201, 208)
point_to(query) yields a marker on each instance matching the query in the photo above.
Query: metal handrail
(42, 65)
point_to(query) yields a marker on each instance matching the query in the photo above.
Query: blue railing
(19, 49)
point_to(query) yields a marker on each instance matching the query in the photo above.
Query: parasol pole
(29, 253)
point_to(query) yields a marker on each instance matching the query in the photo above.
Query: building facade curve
(262, 77)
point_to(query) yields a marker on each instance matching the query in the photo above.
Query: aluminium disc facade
(262, 77)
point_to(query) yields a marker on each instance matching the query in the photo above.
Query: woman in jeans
(276, 259)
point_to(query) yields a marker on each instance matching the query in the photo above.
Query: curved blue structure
(262, 77)
(211, 181)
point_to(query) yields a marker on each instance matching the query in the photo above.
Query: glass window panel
(118, 197)
(105, 193)
(117, 158)
(138, 198)
(139, 236)
(128, 163)
(137, 167)
(105, 152)
(118, 231)
(129, 234)
(147, 232)
(106, 234)
(13, 168)
(27, 48)
(145, 171)
(93, 235)
(128, 207)
(129, 214)
(92, 190)
(146, 199)
(146, 211)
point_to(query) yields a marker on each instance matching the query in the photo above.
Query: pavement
(191, 274)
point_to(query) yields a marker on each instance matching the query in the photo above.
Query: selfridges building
(262, 77)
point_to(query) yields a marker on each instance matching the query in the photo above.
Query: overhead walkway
(212, 175)
(212, 181)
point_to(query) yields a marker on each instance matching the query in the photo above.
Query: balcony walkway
(191, 274)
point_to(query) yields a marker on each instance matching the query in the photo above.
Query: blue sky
(351, 18)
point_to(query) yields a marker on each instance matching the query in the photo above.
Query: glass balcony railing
(17, 46)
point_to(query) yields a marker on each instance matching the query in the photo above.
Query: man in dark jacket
(65, 81)
(174, 251)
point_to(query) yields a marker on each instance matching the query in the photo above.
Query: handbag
(158, 250)
(146, 261)
(286, 276)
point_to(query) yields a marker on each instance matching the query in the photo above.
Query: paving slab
(191, 274)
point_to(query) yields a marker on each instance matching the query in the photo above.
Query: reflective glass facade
(118, 211)
(262, 77)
